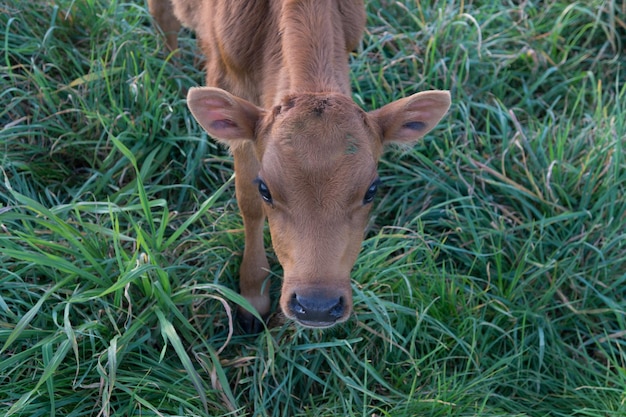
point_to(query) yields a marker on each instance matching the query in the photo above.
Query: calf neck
(305, 154)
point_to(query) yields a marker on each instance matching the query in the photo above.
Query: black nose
(316, 310)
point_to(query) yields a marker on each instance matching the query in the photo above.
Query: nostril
(296, 307)
(316, 310)
(337, 310)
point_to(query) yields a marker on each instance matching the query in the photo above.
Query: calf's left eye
(371, 192)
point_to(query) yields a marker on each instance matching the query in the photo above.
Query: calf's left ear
(408, 119)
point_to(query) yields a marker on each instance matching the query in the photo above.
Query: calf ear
(408, 119)
(224, 116)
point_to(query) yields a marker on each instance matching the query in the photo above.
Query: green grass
(492, 281)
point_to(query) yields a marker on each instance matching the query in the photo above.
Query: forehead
(319, 133)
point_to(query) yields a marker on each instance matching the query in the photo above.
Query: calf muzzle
(317, 309)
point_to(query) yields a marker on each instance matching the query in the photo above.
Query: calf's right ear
(225, 117)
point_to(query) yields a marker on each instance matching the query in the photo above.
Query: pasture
(491, 282)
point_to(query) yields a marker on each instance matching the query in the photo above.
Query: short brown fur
(305, 154)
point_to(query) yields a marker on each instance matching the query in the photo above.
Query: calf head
(318, 154)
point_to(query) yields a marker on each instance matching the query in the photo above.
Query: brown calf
(305, 154)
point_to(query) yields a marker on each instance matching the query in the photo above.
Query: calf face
(317, 154)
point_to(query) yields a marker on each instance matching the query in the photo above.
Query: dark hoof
(248, 323)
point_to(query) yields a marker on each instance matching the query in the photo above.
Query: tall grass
(491, 281)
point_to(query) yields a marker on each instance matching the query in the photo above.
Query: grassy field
(492, 281)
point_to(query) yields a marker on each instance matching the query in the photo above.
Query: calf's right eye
(264, 191)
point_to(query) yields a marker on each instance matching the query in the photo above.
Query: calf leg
(163, 12)
(254, 266)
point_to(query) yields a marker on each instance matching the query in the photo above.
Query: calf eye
(264, 191)
(371, 192)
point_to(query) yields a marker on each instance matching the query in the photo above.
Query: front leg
(163, 13)
(254, 266)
